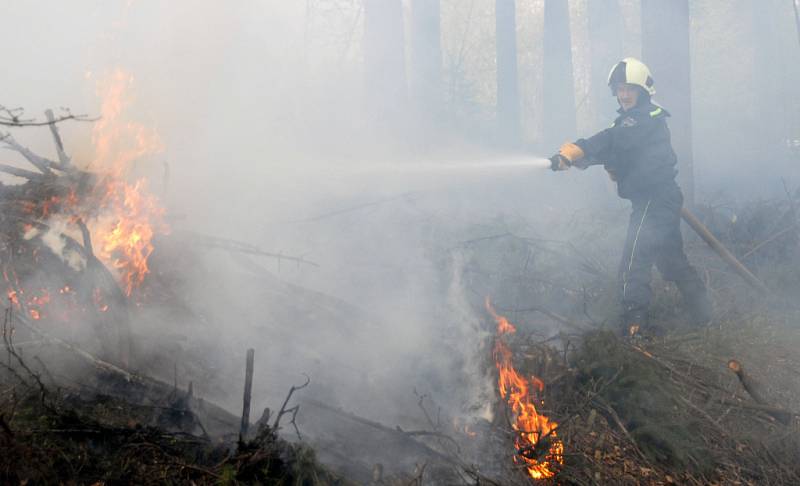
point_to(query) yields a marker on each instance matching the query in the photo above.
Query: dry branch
(552, 315)
(13, 118)
(338, 212)
(283, 411)
(62, 156)
(406, 437)
(780, 414)
(24, 173)
(242, 247)
(769, 240)
(40, 163)
(100, 364)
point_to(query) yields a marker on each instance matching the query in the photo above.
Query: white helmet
(631, 71)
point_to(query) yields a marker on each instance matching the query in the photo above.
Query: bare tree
(768, 73)
(384, 59)
(559, 86)
(508, 122)
(665, 49)
(605, 46)
(426, 56)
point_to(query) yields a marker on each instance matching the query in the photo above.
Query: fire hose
(559, 162)
(723, 252)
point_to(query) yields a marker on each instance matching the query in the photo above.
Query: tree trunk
(796, 18)
(665, 49)
(559, 86)
(768, 70)
(426, 58)
(384, 60)
(605, 45)
(508, 108)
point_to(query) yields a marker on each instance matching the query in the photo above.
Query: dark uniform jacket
(636, 151)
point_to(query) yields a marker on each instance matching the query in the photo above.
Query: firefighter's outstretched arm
(627, 134)
(568, 155)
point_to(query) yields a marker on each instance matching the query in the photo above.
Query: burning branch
(537, 442)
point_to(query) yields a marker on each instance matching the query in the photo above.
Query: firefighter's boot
(696, 302)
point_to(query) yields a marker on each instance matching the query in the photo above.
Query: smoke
(270, 138)
(53, 238)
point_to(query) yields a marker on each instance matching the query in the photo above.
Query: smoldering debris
(401, 389)
(661, 411)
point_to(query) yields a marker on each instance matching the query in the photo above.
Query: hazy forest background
(340, 138)
(531, 73)
(345, 80)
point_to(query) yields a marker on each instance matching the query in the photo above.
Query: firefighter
(637, 153)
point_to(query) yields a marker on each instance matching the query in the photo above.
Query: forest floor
(710, 405)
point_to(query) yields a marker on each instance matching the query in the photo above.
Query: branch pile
(52, 280)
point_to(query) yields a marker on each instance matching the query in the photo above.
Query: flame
(99, 300)
(128, 215)
(470, 432)
(126, 232)
(13, 298)
(39, 301)
(122, 216)
(460, 426)
(535, 431)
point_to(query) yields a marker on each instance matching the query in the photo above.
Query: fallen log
(783, 416)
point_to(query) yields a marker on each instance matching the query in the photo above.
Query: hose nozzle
(559, 162)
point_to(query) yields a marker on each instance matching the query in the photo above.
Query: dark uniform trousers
(654, 237)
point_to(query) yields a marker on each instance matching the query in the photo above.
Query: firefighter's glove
(571, 152)
(559, 162)
(567, 156)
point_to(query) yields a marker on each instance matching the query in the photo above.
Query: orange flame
(129, 216)
(12, 297)
(40, 300)
(535, 431)
(35, 304)
(99, 301)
